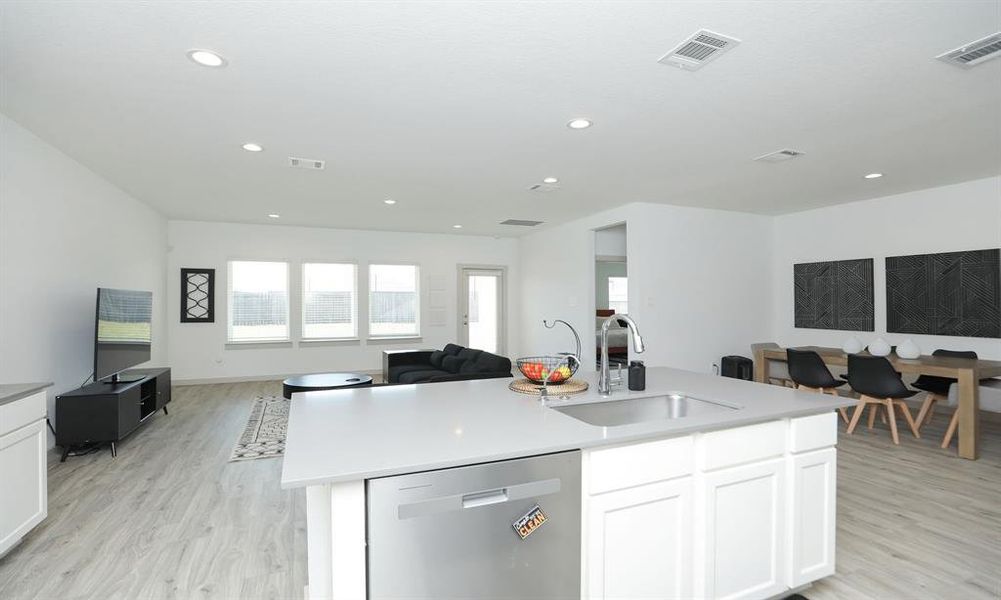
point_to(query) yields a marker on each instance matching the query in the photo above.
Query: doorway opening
(611, 291)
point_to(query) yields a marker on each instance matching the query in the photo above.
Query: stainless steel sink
(638, 410)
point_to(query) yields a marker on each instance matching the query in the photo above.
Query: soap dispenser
(637, 375)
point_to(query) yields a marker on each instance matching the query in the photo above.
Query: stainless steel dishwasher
(497, 531)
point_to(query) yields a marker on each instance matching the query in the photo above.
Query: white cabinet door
(744, 529)
(639, 542)
(812, 496)
(23, 482)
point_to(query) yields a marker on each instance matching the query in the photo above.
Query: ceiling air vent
(544, 188)
(779, 155)
(306, 163)
(701, 48)
(521, 223)
(974, 53)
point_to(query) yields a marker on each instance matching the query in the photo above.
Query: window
(328, 301)
(258, 301)
(618, 295)
(393, 300)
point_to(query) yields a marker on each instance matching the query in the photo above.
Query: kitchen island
(736, 501)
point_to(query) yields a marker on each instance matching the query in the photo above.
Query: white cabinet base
(812, 499)
(743, 531)
(24, 497)
(639, 541)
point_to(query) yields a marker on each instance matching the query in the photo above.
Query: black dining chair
(937, 388)
(808, 371)
(879, 386)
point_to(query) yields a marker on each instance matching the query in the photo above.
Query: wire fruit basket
(551, 369)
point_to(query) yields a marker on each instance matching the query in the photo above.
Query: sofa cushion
(452, 364)
(394, 373)
(485, 362)
(469, 353)
(419, 376)
(436, 357)
(452, 349)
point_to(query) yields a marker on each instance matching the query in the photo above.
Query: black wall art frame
(197, 295)
(834, 295)
(952, 293)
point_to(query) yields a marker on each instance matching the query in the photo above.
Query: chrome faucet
(604, 377)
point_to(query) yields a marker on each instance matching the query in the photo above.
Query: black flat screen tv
(123, 328)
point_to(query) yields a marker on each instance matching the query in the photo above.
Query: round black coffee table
(323, 381)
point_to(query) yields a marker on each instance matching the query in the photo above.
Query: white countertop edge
(623, 436)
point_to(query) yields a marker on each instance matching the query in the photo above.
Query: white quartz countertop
(366, 432)
(10, 392)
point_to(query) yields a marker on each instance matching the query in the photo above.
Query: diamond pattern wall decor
(197, 295)
(834, 295)
(953, 293)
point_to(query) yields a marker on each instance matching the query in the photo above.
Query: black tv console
(107, 412)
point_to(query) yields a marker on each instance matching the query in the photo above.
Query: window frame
(356, 302)
(368, 304)
(230, 341)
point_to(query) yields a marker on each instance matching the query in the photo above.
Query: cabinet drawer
(743, 444)
(19, 413)
(638, 464)
(813, 433)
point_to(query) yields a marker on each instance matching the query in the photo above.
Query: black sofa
(451, 363)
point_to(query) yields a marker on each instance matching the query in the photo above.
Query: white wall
(698, 282)
(965, 216)
(64, 232)
(198, 351)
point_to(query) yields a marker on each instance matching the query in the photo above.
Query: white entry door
(481, 308)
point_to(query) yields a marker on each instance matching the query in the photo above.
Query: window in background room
(328, 301)
(258, 301)
(393, 300)
(618, 294)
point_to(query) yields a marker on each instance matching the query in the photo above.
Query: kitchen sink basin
(627, 411)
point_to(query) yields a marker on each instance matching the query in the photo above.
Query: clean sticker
(532, 520)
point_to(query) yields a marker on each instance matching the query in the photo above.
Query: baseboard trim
(377, 373)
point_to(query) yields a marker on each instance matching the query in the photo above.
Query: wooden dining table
(967, 371)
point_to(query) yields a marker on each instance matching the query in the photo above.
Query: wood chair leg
(931, 413)
(873, 409)
(859, 409)
(910, 420)
(834, 392)
(924, 415)
(892, 418)
(951, 431)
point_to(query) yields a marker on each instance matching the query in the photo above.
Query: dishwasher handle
(485, 498)
(459, 502)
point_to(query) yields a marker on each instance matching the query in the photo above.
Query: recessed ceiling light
(579, 124)
(389, 201)
(252, 147)
(206, 58)
(456, 226)
(873, 175)
(550, 180)
(274, 216)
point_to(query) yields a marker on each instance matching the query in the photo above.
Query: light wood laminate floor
(172, 518)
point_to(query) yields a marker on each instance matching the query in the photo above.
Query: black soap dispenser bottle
(637, 375)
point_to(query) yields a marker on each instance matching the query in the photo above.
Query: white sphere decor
(852, 345)
(879, 347)
(908, 349)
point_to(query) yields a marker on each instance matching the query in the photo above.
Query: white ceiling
(455, 108)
